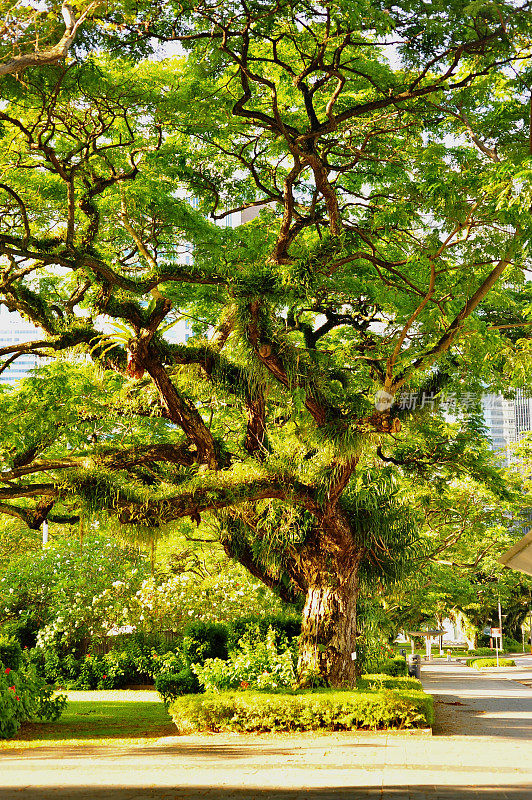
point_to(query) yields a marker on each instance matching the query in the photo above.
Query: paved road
(495, 703)
(474, 761)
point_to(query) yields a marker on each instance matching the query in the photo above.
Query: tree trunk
(328, 649)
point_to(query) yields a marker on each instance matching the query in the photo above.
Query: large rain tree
(378, 159)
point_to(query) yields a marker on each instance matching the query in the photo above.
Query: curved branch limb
(271, 360)
(256, 424)
(340, 476)
(280, 253)
(77, 259)
(192, 503)
(31, 490)
(224, 330)
(184, 414)
(23, 212)
(244, 555)
(183, 454)
(408, 324)
(32, 517)
(456, 325)
(57, 52)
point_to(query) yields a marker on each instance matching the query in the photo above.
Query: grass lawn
(108, 717)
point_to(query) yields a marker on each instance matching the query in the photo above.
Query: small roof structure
(519, 557)
(435, 632)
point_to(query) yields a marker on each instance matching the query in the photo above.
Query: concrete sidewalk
(465, 765)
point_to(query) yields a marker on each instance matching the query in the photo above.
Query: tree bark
(328, 644)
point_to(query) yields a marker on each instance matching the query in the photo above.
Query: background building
(13, 330)
(507, 421)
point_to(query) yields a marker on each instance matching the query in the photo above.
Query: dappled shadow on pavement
(404, 792)
(248, 749)
(501, 717)
(208, 750)
(212, 751)
(468, 703)
(182, 747)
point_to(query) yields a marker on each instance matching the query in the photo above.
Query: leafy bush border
(482, 663)
(325, 709)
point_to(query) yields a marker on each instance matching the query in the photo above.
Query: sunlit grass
(117, 717)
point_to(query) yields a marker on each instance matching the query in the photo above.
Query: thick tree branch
(183, 454)
(55, 53)
(264, 351)
(456, 325)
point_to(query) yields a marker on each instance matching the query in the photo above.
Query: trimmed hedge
(384, 681)
(511, 645)
(479, 663)
(483, 651)
(324, 709)
(490, 651)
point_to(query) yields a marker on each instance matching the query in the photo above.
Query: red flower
(18, 698)
(104, 676)
(12, 688)
(244, 684)
(8, 670)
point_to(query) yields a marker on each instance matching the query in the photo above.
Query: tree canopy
(378, 157)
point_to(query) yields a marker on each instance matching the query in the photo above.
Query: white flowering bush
(64, 593)
(221, 597)
(255, 664)
(64, 596)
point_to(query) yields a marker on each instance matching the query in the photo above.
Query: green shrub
(488, 651)
(136, 658)
(483, 651)
(286, 626)
(23, 697)
(87, 675)
(52, 665)
(114, 670)
(203, 640)
(316, 710)
(383, 681)
(171, 686)
(142, 652)
(133, 659)
(35, 657)
(170, 663)
(479, 663)
(10, 652)
(49, 706)
(511, 645)
(392, 666)
(24, 629)
(70, 668)
(257, 664)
